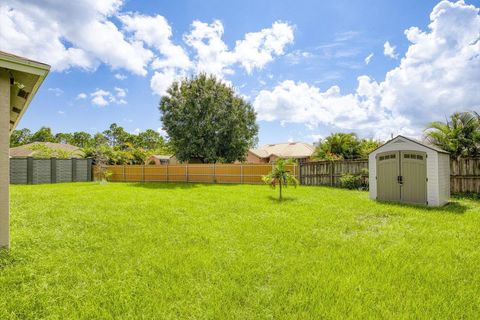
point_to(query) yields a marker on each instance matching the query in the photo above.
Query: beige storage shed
(20, 79)
(409, 171)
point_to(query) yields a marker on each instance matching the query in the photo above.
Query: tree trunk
(280, 198)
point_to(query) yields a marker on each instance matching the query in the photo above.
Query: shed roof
(26, 76)
(425, 144)
(285, 150)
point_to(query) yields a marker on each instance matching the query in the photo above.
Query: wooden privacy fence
(464, 173)
(52, 170)
(202, 173)
(328, 173)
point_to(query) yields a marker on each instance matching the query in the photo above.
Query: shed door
(388, 171)
(414, 177)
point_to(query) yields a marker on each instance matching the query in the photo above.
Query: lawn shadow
(454, 207)
(7, 259)
(285, 199)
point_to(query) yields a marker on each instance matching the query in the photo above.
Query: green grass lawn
(184, 251)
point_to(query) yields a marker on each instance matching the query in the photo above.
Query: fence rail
(202, 173)
(52, 170)
(464, 173)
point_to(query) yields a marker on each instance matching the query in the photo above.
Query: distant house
(161, 159)
(290, 150)
(36, 148)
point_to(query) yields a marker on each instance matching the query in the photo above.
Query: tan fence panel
(156, 173)
(201, 173)
(227, 173)
(177, 173)
(117, 173)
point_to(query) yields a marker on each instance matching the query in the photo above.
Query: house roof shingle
(285, 150)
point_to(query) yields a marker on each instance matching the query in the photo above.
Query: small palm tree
(280, 176)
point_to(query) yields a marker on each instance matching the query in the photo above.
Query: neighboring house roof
(161, 157)
(285, 150)
(26, 149)
(425, 144)
(26, 76)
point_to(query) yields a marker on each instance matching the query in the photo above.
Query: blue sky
(299, 67)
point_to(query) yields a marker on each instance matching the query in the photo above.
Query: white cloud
(101, 98)
(82, 95)
(56, 91)
(120, 92)
(120, 76)
(69, 34)
(161, 80)
(253, 52)
(389, 50)
(439, 74)
(86, 33)
(368, 58)
(213, 55)
(104, 98)
(156, 32)
(61, 112)
(258, 48)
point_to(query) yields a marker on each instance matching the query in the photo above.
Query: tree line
(114, 145)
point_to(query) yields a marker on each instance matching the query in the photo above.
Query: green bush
(354, 181)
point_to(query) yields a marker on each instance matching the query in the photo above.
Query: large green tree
(44, 134)
(207, 121)
(459, 135)
(20, 137)
(116, 135)
(81, 139)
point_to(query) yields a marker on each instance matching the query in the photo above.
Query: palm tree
(460, 135)
(280, 176)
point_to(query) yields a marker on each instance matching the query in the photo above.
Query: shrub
(354, 181)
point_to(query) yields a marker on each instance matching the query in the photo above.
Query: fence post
(332, 171)
(241, 173)
(143, 173)
(53, 170)
(30, 170)
(214, 174)
(168, 177)
(124, 175)
(89, 169)
(186, 171)
(74, 169)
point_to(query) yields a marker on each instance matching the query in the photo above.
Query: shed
(20, 79)
(409, 171)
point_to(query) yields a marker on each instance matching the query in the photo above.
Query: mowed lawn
(188, 251)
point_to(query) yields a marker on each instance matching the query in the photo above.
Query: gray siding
(41, 171)
(64, 170)
(82, 170)
(18, 171)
